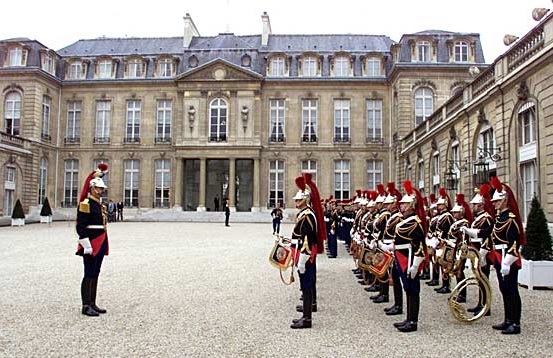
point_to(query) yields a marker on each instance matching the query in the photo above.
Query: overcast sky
(60, 23)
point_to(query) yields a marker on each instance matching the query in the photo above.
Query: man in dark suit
(227, 211)
(120, 211)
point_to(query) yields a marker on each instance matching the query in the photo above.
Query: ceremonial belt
(404, 247)
(388, 241)
(476, 239)
(501, 247)
(96, 227)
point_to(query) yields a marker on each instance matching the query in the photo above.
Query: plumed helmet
(381, 193)
(98, 183)
(97, 173)
(444, 199)
(303, 192)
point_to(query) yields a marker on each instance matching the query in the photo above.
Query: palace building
(182, 119)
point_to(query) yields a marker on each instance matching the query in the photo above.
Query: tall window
(162, 183)
(71, 183)
(341, 120)
(164, 119)
(105, 178)
(436, 169)
(16, 57)
(341, 179)
(165, 68)
(374, 173)
(42, 179)
(309, 66)
(9, 189)
(456, 163)
(12, 113)
(527, 120)
(309, 120)
(310, 166)
(423, 51)
(73, 132)
(487, 140)
(103, 119)
(529, 176)
(373, 67)
(134, 110)
(277, 67)
(45, 126)
(374, 120)
(131, 182)
(420, 174)
(341, 66)
(276, 182)
(48, 63)
(461, 49)
(424, 104)
(218, 120)
(276, 119)
(105, 69)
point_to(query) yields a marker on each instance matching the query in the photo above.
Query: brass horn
(478, 280)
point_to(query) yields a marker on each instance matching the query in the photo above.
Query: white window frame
(374, 121)
(134, 115)
(71, 183)
(373, 66)
(218, 120)
(276, 183)
(342, 120)
(529, 179)
(12, 113)
(420, 174)
(42, 179)
(374, 172)
(131, 182)
(165, 68)
(461, 51)
(341, 66)
(162, 183)
(309, 166)
(105, 69)
(424, 104)
(277, 122)
(342, 189)
(15, 57)
(74, 113)
(436, 168)
(423, 51)
(45, 125)
(278, 66)
(309, 115)
(76, 71)
(164, 120)
(310, 66)
(103, 119)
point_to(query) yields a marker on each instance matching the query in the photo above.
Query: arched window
(424, 104)
(218, 120)
(12, 113)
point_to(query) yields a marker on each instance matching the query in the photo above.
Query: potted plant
(46, 212)
(537, 254)
(18, 216)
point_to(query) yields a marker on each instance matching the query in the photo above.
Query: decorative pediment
(219, 70)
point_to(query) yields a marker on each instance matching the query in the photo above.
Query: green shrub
(18, 212)
(538, 238)
(46, 209)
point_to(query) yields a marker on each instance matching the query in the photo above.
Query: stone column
(232, 184)
(178, 185)
(255, 207)
(201, 203)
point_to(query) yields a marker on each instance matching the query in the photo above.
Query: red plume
(98, 173)
(393, 191)
(103, 167)
(485, 193)
(372, 194)
(443, 193)
(419, 206)
(300, 183)
(318, 209)
(408, 187)
(496, 184)
(462, 202)
(358, 192)
(380, 189)
(432, 198)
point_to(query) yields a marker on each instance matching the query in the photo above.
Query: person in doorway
(277, 218)
(216, 202)
(226, 209)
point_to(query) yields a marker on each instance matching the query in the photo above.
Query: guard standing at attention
(93, 239)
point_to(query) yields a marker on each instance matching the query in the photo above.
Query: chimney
(190, 30)
(266, 29)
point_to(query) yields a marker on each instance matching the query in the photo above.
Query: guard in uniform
(93, 239)
(310, 232)
(480, 234)
(410, 253)
(445, 219)
(508, 236)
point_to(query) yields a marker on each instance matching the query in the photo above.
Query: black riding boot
(87, 310)
(93, 290)
(412, 314)
(506, 314)
(404, 322)
(305, 321)
(513, 322)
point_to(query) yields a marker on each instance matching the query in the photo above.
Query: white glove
(332, 231)
(508, 260)
(85, 243)
(351, 232)
(302, 261)
(483, 253)
(469, 231)
(387, 247)
(414, 269)
(435, 242)
(372, 244)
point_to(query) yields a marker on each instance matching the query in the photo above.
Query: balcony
(219, 138)
(312, 138)
(132, 140)
(12, 140)
(101, 140)
(375, 140)
(72, 140)
(162, 140)
(273, 138)
(45, 137)
(342, 140)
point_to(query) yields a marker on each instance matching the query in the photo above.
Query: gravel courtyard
(206, 290)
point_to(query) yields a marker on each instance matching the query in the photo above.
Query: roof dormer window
(48, 61)
(16, 56)
(135, 68)
(278, 67)
(310, 66)
(76, 69)
(341, 66)
(105, 68)
(461, 49)
(373, 66)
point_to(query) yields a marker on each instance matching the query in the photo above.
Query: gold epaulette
(512, 216)
(84, 206)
